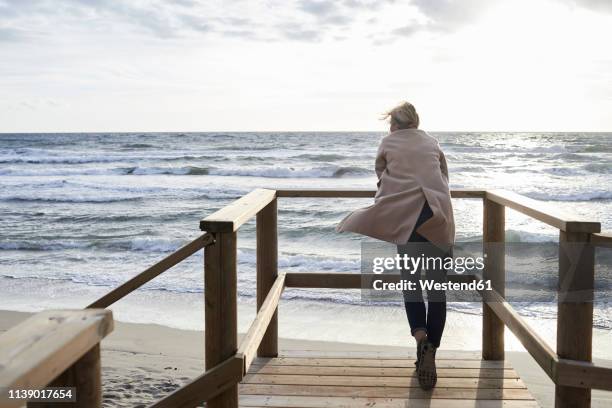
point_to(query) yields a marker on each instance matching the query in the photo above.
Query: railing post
(494, 224)
(267, 271)
(575, 310)
(85, 376)
(220, 310)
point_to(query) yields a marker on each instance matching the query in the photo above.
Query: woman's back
(410, 158)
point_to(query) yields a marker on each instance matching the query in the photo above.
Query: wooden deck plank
(326, 379)
(372, 362)
(387, 392)
(348, 402)
(384, 371)
(401, 355)
(363, 381)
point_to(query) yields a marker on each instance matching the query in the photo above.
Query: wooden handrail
(250, 342)
(542, 212)
(602, 240)
(206, 386)
(582, 374)
(572, 373)
(535, 345)
(344, 280)
(52, 343)
(232, 216)
(153, 271)
(368, 193)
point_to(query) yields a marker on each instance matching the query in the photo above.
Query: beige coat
(411, 169)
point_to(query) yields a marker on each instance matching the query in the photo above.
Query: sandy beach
(143, 362)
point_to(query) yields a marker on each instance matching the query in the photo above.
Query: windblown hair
(404, 116)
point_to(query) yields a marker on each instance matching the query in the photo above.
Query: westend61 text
(429, 284)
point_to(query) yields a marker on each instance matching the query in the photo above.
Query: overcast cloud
(307, 64)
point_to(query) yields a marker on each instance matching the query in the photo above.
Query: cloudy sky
(183, 65)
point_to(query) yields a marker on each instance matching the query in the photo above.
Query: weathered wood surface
(494, 230)
(251, 341)
(344, 280)
(383, 354)
(574, 311)
(336, 379)
(602, 240)
(267, 271)
(213, 382)
(52, 344)
(220, 310)
(382, 371)
(232, 216)
(543, 212)
(152, 272)
(336, 193)
(378, 362)
(583, 375)
(535, 345)
(409, 381)
(86, 376)
(350, 402)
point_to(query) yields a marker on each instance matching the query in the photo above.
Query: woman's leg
(435, 317)
(413, 299)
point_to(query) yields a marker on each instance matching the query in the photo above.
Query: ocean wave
(141, 244)
(181, 171)
(330, 171)
(524, 236)
(298, 262)
(18, 172)
(603, 168)
(561, 171)
(243, 147)
(61, 160)
(585, 196)
(66, 199)
(137, 146)
(267, 172)
(596, 148)
(66, 191)
(324, 157)
(49, 245)
(290, 172)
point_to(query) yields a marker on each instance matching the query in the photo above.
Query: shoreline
(144, 361)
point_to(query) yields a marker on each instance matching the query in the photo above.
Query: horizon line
(301, 131)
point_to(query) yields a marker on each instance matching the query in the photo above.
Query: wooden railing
(56, 348)
(227, 361)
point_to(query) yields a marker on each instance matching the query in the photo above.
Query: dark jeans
(433, 319)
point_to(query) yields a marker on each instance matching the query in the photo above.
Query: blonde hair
(404, 116)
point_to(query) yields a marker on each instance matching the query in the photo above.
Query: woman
(412, 208)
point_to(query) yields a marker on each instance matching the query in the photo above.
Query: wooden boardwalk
(353, 379)
(244, 374)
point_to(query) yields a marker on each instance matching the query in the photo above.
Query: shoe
(426, 367)
(418, 353)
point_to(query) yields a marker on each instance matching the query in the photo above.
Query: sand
(143, 362)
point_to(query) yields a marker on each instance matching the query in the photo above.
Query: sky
(279, 65)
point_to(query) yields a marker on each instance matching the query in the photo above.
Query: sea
(81, 213)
